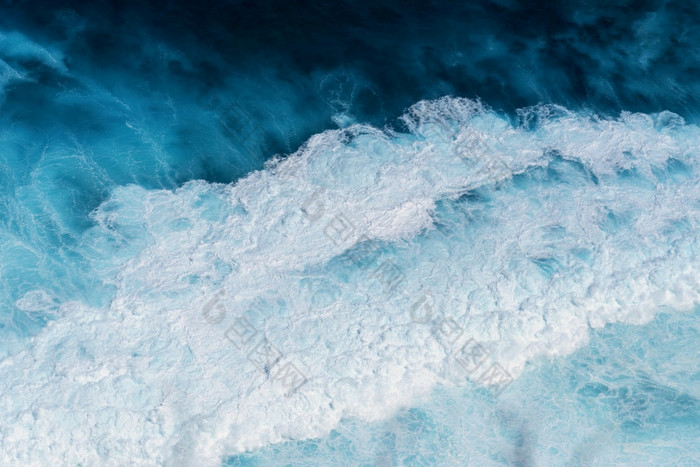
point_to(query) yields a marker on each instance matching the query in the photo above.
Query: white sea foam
(567, 222)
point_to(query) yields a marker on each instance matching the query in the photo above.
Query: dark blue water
(104, 103)
(98, 95)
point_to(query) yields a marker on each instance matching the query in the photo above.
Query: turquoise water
(629, 397)
(349, 234)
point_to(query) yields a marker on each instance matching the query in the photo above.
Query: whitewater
(352, 278)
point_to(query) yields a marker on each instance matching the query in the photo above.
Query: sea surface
(385, 233)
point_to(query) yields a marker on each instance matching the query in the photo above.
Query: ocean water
(349, 233)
